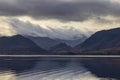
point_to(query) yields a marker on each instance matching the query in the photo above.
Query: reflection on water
(57, 69)
(7, 75)
(70, 71)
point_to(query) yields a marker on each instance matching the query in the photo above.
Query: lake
(46, 68)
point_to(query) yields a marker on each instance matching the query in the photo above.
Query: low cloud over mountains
(66, 19)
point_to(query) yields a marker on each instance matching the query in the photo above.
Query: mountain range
(102, 42)
(46, 42)
(19, 45)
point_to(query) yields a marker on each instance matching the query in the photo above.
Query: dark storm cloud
(74, 10)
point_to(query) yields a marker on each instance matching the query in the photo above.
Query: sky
(64, 19)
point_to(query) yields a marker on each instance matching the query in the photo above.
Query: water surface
(59, 68)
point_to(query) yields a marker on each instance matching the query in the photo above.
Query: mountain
(47, 43)
(74, 42)
(62, 47)
(101, 40)
(44, 42)
(18, 45)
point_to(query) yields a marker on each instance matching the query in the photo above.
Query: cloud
(67, 10)
(29, 29)
(52, 28)
(42, 17)
(5, 29)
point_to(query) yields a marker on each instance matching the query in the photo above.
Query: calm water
(59, 68)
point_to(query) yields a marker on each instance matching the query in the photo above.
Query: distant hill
(74, 42)
(62, 47)
(101, 40)
(47, 43)
(18, 45)
(44, 42)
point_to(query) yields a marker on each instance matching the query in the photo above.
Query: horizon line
(62, 56)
